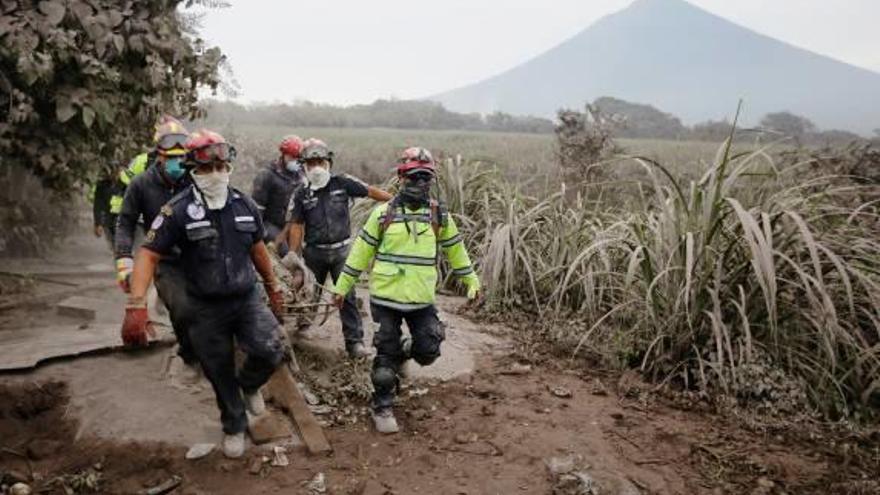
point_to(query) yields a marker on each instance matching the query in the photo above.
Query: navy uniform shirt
(144, 197)
(326, 213)
(215, 245)
(273, 187)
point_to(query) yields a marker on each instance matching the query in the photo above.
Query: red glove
(137, 327)
(276, 302)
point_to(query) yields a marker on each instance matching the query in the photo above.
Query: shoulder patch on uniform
(195, 211)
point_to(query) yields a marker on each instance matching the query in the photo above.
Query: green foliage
(82, 82)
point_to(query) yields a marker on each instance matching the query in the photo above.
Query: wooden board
(267, 427)
(283, 389)
(26, 348)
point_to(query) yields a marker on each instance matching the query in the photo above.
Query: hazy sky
(354, 51)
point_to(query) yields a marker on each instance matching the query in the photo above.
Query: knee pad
(426, 349)
(384, 379)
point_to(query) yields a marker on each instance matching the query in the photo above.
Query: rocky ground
(487, 419)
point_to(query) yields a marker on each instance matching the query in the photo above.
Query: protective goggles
(420, 175)
(171, 141)
(220, 152)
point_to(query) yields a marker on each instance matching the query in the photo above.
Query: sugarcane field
(626, 247)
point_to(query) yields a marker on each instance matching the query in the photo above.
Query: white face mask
(214, 187)
(293, 166)
(318, 177)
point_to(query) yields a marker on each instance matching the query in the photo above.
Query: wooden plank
(283, 389)
(267, 427)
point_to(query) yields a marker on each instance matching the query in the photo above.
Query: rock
(199, 450)
(255, 466)
(562, 465)
(464, 438)
(517, 369)
(279, 456)
(20, 489)
(575, 483)
(316, 485)
(561, 392)
(420, 414)
(41, 449)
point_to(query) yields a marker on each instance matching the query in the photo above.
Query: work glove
(338, 300)
(276, 301)
(124, 267)
(475, 297)
(137, 327)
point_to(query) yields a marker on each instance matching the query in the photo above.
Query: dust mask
(293, 166)
(318, 177)
(214, 187)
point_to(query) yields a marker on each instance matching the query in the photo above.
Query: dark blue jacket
(215, 245)
(326, 213)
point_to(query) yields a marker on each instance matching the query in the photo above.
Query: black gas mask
(416, 188)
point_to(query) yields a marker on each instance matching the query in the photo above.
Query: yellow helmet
(170, 136)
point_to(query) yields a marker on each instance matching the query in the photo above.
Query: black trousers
(217, 325)
(330, 261)
(427, 333)
(170, 283)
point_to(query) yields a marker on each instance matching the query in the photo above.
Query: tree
(642, 121)
(585, 139)
(82, 82)
(788, 123)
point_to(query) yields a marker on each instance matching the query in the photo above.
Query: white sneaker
(233, 445)
(254, 403)
(385, 421)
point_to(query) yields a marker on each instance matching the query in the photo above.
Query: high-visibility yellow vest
(135, 168)
(404, 274)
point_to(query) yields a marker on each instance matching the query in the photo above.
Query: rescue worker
(144, 198)
(107, 185)
(273, 187)
(402, 236)
(137, 166)
(320, 229)
(219, 233)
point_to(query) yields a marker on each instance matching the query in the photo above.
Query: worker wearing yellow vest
(403, 236)
(135, 167)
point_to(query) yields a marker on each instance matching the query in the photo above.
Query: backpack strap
(436, 211)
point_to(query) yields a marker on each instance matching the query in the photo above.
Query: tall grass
(750, 267)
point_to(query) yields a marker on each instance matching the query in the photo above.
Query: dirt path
(478, 422)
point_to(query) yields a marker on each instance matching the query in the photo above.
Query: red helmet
(291, 145)
(413, 159)
(204, 146)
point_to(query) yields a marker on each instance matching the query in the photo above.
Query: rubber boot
(233, 445)
(385, 421)
(254, 403)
